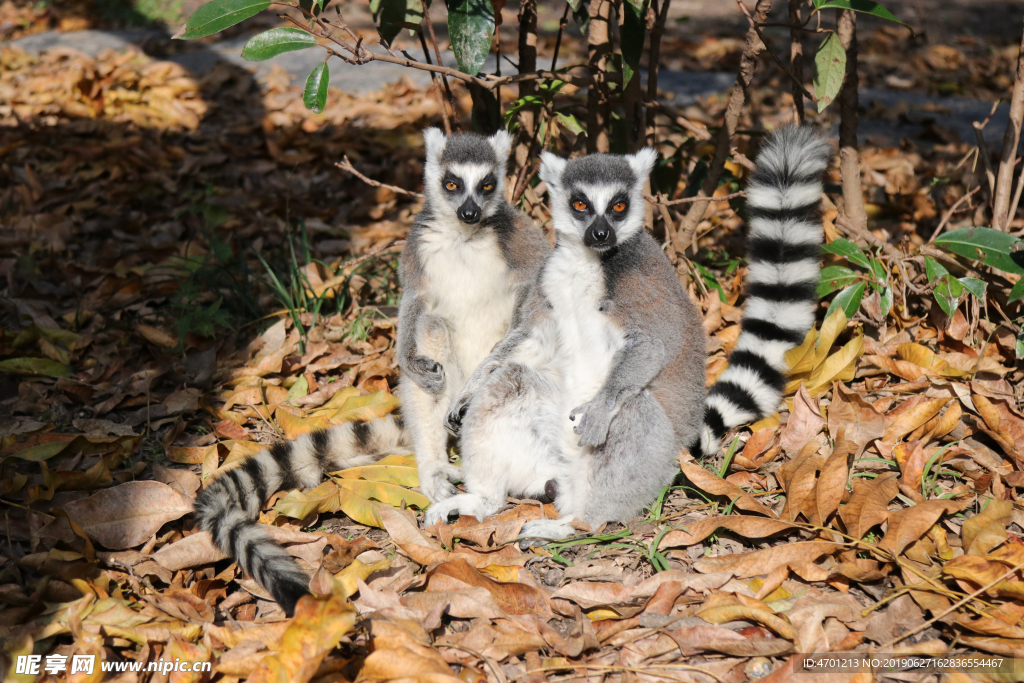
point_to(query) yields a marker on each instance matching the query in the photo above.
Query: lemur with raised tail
(607, 368)
(468, 262)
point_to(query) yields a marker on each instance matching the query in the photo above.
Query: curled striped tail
(783, 253)
(228, 507)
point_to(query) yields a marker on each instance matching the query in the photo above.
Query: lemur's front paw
(456, 413)
(594, 423)
(436, 481)
(427, 373)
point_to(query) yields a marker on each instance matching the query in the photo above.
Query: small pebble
(758, 667)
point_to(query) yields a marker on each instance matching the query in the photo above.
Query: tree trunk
(1008, 156)
(598, 49)
(796, 58)
(527, 64)
(849, 160)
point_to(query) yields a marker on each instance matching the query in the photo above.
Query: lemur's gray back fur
(228, 508)
(783, 253)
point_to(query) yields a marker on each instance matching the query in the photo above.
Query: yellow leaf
(602, 613)
(830, 331)
(300, 504)
(294, 426)
(360, 509)
(385, 493)
(347, 577)
(365, 407)
(318, 625)
(822, 377)
(770, 422)
(800, 358)
(501, 572)
(297, 390)
(406, 460)
(189, 455)
(389, 474)
(338, 400)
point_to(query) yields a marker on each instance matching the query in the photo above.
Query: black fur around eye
(488, 184)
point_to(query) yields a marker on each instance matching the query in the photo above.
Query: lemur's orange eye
(451, 185)
(579, 205)
(619, 207)
(488, 187)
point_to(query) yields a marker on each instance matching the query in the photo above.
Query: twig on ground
(346, 165)
(690, 200)
(699, 132)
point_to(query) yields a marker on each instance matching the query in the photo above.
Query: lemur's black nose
(600, 235)
(469, 212)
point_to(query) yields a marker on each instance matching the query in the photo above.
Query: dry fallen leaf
(127, 515)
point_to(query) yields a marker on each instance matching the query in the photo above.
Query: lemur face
(598, 199)
(464, 175)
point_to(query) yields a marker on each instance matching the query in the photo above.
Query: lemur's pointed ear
(642, 162)
(501, 143)
(434, 140)
(551, 168)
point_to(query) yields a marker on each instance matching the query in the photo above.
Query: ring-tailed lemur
(466, 265)
(591, 399)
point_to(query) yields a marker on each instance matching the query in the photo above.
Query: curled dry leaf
(128, 515)
(760, 562)
(716, 486)
(513, 598)
(724, 613)
(718, 639)
(910, 524)
(318, 625)
(987, 529)
(833, 475)
(869, 505)
(805, 421)
(746, 527)
(863, 423)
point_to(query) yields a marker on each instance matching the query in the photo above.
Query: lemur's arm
(529, 305)
(634, 366)
(426, 372)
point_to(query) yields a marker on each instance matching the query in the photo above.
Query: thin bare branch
(949, 214)
(346, 165)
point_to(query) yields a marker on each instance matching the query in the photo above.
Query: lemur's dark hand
(456, 413)
(427, 373)
(594, 421)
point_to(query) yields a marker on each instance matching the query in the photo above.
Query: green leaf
(634, 28)
(394, 15)
(315, 94)
(218, 15)
(933, 269)
(829, 70)
(848, 250)
(470, 29)
(878, 271)
(35, 366)
(848, 300)
(974, 286)
(834, 278)
(1020, 344)
(947, 292)
(991, 247)
(276, 41)
(1017, 292)
(570, 122)
(865, 6)
(885, 300)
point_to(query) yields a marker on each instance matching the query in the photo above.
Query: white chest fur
(469, 286)
(574, 284)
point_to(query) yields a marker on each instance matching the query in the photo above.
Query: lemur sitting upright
(466, 265)
(604, 382)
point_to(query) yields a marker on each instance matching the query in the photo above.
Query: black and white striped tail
(229, 507)
(783, 252)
